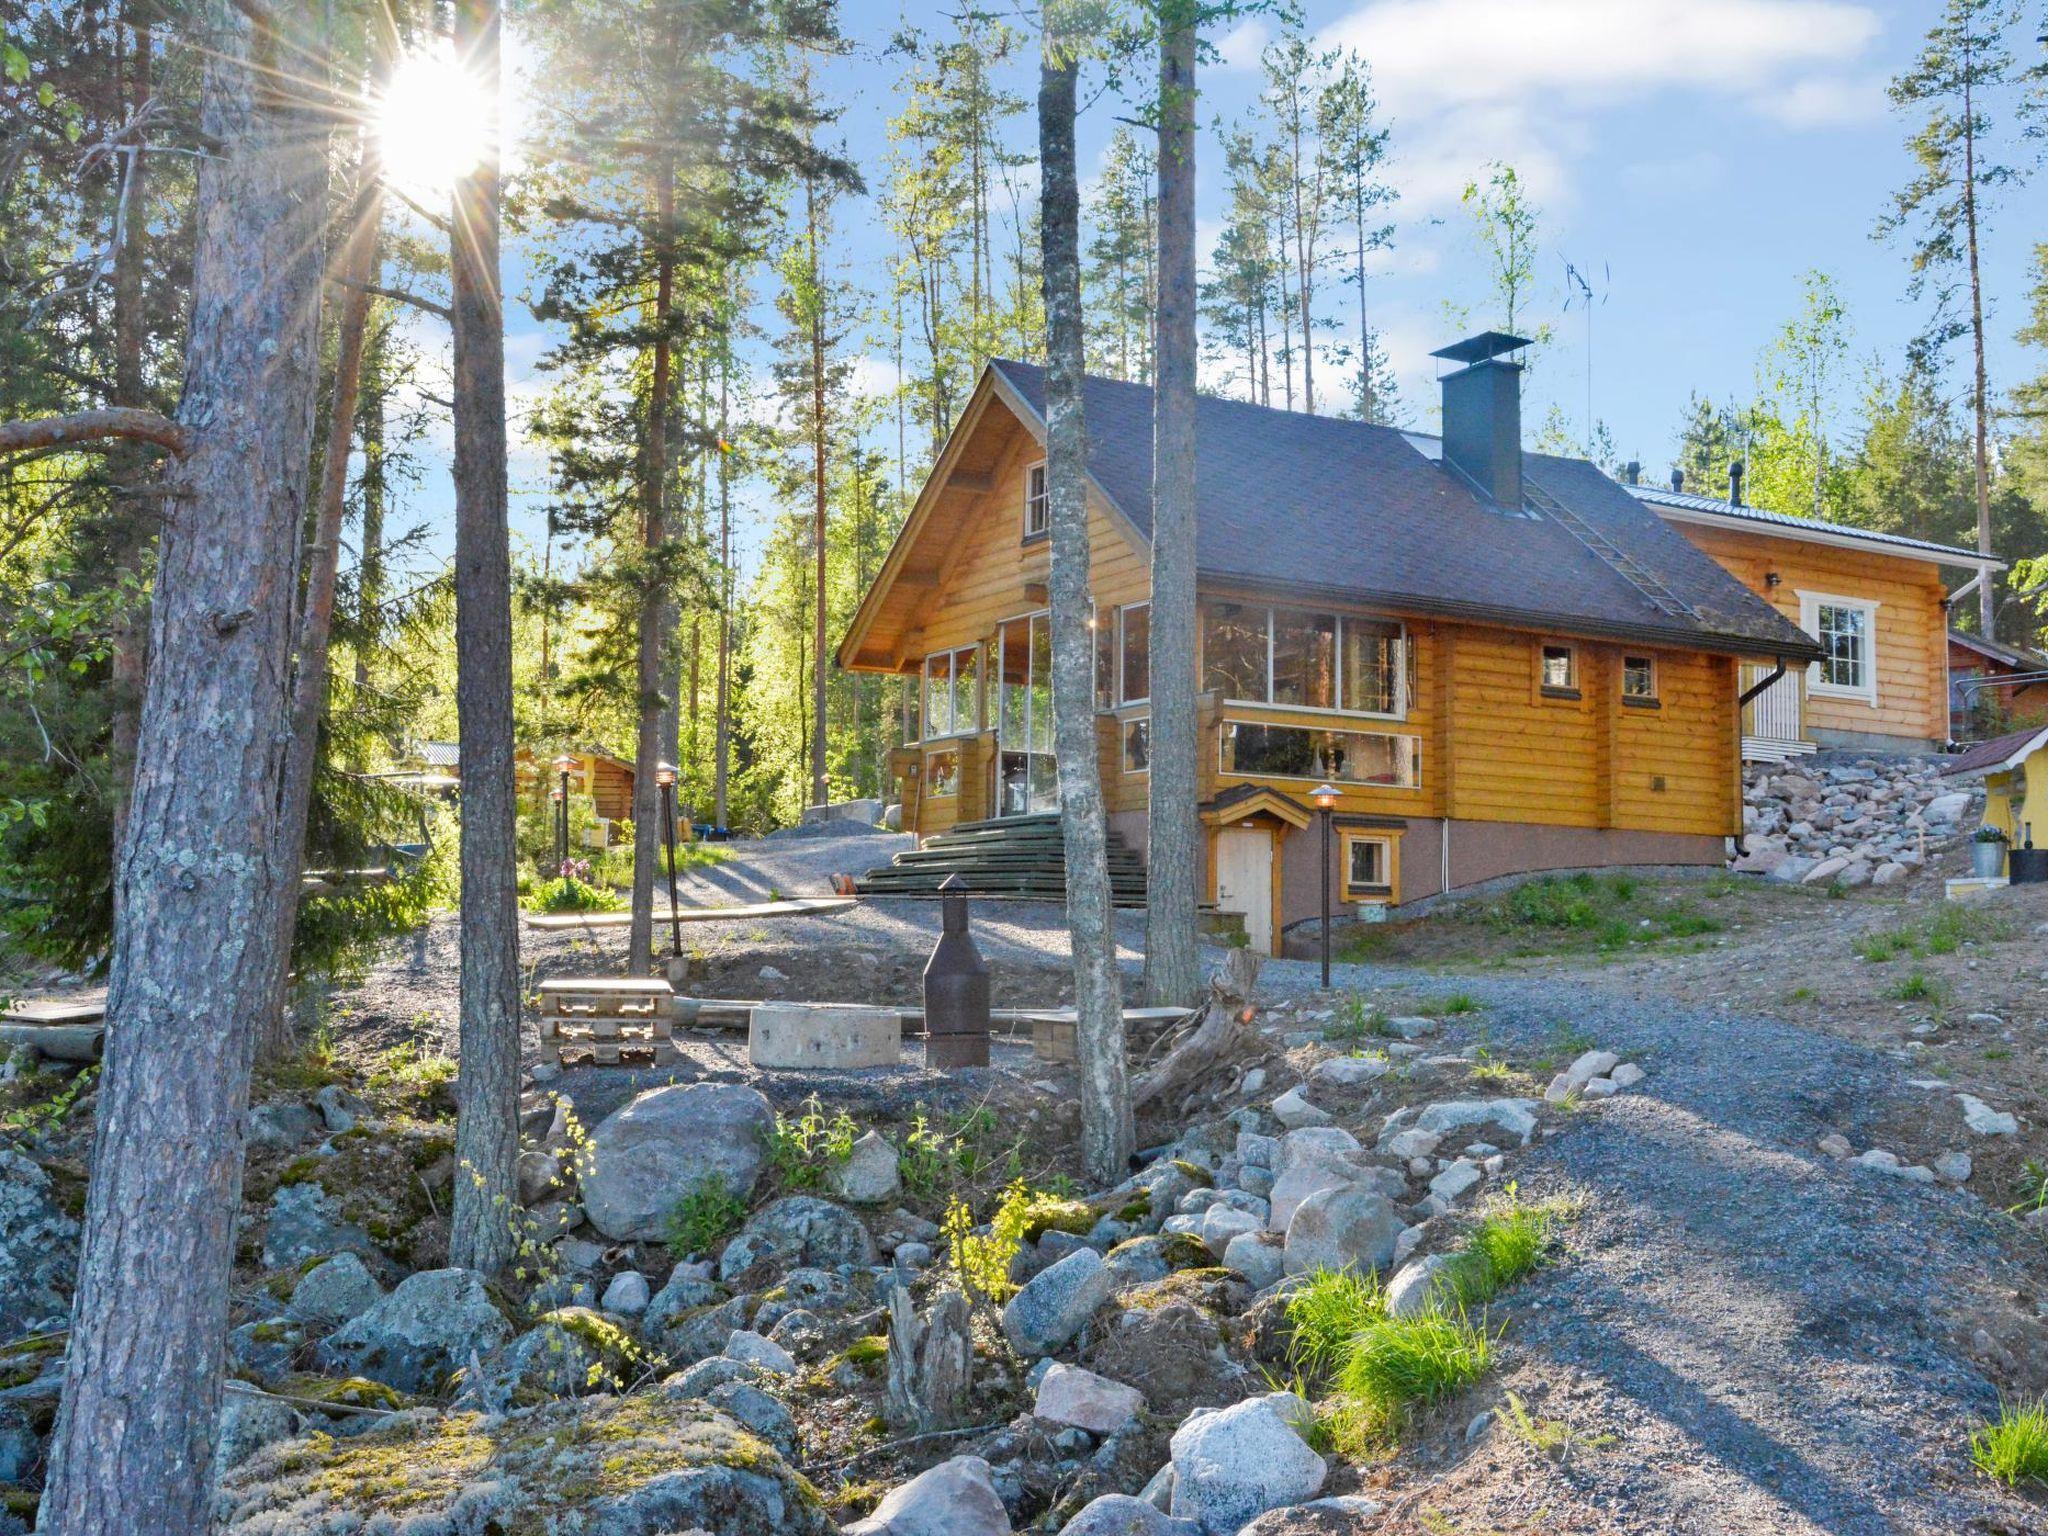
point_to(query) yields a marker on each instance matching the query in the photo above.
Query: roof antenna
(1575, 279)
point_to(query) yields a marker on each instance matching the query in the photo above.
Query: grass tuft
(1396, 1363)
(2014, 1446)
(1328, 1312)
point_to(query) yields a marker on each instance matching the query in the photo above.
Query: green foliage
(1395, 1363)
(708, 1212)
(801, 1147)
(1918, 988)
(46, 1114)
(1592, 911)
(1509, 1241)
(1327, 1312)
(1553, 1437)
(2014, 1446)
(1356, 1020)
(569, 894)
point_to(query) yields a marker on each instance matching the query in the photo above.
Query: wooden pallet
(608, 1021)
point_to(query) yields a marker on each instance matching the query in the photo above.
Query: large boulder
(421, 1333)
(1055, 1302)
(642, 1159)
(569, 1352)
(249, 1420)
(1235, 1463)
(38, 1248)
(1119, 1514)
(335, 1290)
(1311, 1159)
(797, 1230)
(955, 1498)
(1067, 1394)
(305, 1222)
(645, 1465)
(1349, 1228)
(871, 1174)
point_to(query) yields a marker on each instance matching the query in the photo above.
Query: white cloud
(1825, 101)
(1468, 81)
(1241, 46)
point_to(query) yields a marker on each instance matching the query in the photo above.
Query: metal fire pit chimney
(955, 989)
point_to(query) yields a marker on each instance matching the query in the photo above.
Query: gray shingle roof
(1687, 501)
(1317, 505)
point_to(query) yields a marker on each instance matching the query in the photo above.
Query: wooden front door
(1244, 881)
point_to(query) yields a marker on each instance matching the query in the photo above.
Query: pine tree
(1964, 74)
(1356, 144)
(1294, 75)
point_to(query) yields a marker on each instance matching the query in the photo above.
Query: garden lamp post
(562, 766)
(665, 781)
(1325, 797)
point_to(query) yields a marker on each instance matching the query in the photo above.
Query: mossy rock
(603, 1466)
(345, 1392)
(569, 1351)
(1050, 1213)
(19, 1502)
(1202, 1177)
(1208, 1287)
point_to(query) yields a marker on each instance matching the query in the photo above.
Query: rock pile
(1867, 821)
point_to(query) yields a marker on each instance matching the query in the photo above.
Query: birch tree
(193, 957)
(1107, 1136)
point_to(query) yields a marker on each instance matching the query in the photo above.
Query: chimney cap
(1476, 349)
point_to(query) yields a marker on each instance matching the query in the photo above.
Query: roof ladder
(1603, 549)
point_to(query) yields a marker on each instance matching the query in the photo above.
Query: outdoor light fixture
(562, 765)
(1325, 798)
(665, 781)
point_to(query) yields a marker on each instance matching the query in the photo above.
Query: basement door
(1244, 881)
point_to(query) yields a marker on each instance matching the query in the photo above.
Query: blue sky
(1695, 156)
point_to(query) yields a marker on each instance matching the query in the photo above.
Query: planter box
(2029, 866)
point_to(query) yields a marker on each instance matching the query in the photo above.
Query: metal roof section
(1811, 528)
(1476, 349)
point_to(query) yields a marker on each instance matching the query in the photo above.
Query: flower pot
(1987, 860)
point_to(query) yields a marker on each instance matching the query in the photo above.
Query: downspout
(1741, 702)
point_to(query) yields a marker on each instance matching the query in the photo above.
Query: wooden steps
(1016, 856)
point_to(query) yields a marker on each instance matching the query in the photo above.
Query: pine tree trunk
(820, 789)
(357, 270)
(192, 961)
(1173, 965)
(654, 676)
(370, 562)
(722, 768)
(1107, 1136)
(487, 1090)
(129, 660)
(1987, 597)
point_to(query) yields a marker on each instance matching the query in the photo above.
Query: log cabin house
(1503, 661)
(1877, 603)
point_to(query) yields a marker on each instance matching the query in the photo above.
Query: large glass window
(1234, 651)
(1026, 777)
(913, 711)
(1375, 658)
(1304, 660)
(951, 693)
(1304, 752)
(1135, 649)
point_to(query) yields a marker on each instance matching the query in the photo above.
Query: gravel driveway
(1776, 1342)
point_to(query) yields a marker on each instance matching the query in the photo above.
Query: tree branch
(400, 296)
(86, 427)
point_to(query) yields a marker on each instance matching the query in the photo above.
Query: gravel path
(1778, 1343)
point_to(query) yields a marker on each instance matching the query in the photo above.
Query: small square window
(1368, 865)
(1037, 503)
(1560, 669)
(1137, 746)
(1638, 677)
(941, 774)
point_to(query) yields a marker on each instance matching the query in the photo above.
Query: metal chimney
(956, 988)
(1677, 479)
(1483, 414)
(1632, 472)
(1735, 483)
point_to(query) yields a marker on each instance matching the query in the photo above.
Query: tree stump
(931, 1363)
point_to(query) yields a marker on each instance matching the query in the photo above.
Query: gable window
(1368, 867)
(1559, 670)
(1846, 628)
(1297, 659)
(1639, 679)
(1037, 503)
(952, 698)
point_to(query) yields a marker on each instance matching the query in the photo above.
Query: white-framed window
(1639, 679)
(1037, 502)
(952, 698)
(1846, 628)
(1368, 866)
(1297, 659)
(1558, 669)
(1134, 653)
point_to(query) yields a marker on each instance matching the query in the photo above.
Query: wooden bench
(608, 1021)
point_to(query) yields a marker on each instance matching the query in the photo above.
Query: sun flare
(433, 122)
